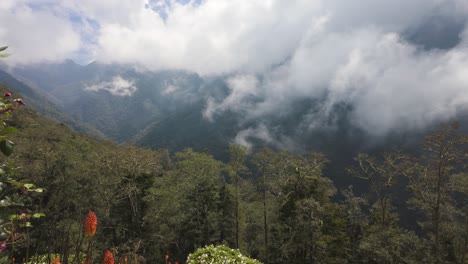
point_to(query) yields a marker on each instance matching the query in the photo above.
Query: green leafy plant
(219, 254)
(14, 227)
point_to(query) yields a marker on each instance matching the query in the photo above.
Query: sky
(400, 64)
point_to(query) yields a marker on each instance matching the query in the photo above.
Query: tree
(305, 207)
(184, 211)
(430, 181)
(236, 167)
(382, 176)
(265, 161)
(355, 208)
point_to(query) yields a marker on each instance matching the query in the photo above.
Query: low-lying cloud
(261, 132)
(118, 87)
(242, 88)
(390, 83)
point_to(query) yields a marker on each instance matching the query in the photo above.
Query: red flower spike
(90, 224)
(56, 260)
(108, 257)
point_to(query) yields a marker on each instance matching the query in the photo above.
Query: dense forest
(274, 206)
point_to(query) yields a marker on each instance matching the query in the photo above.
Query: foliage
(442, 203)
(219, 254)
(185, 206)
(15, 194)
(275, 206)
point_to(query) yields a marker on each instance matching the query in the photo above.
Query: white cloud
(390, 83)
(242, 89)
(212, 37)
(222, 36)
(261, 132)
(169, 88)
(36, 34)
(215, 37)
(277, 51)
(118, 86)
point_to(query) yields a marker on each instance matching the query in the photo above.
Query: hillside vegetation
(69, 198)
(277, 207)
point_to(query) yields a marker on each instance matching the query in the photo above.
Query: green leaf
(8, 131)
(39, 190)
(6, 147)
(38, 215)
(4, 55)
(15, 183)
(28, 185)
(3, 48)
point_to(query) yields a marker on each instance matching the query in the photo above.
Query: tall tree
(430, 178)
(184, 211)
(382, 176)
(236, 167)
(265, 161)
(304, 205)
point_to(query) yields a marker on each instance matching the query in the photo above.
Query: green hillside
(45, 104)
(276, 207)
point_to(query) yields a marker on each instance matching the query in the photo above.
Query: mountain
(97, 94)
(45, 104)
(165, 110)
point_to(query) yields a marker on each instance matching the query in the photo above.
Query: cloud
(207, 37)
(242, 88)
(389, 83)
(243, 137)
(261, 132)
(169, 89)
(272, 53)
(211, 38)
(118, 86)
(394, 86)
(225, 36)
(34, 34)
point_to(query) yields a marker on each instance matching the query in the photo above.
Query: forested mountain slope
(277, 207)
(167, 109)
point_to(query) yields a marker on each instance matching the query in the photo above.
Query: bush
(219, 255)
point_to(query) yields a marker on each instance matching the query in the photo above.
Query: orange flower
(90, 224)
(56, 260)
(108, 257)
(167, 257)
(125, 259)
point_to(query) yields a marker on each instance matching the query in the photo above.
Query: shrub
(219, 255)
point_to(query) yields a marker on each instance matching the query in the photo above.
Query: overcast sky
(358, 52)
